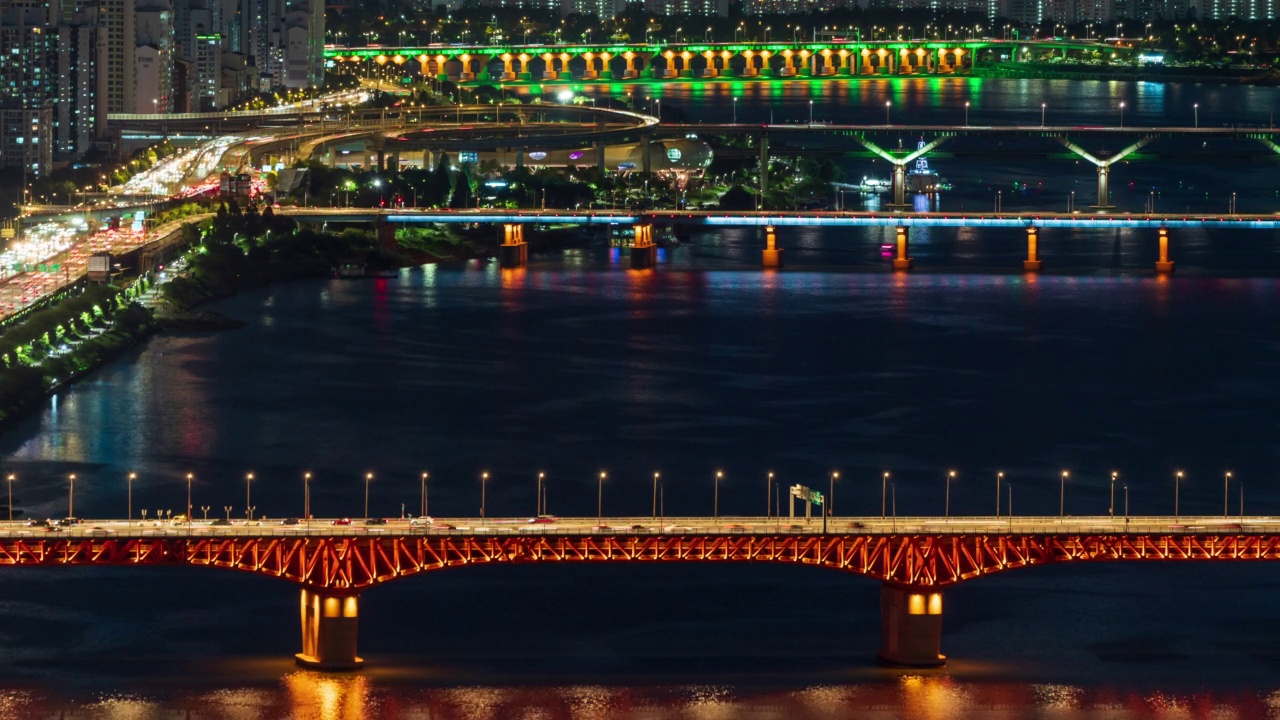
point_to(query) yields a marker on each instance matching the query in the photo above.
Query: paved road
(648, 526)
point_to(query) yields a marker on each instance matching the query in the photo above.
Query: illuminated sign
(1151, 59)
(576, 155)
(538, 155)
(468, 156)
(673, 154)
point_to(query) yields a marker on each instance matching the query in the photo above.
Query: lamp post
(129, 493)
(248, 482)
(1225, 481)
(600, 499)
(966, 113)
(71, 497)
(947, 507)
(1062, 495)
(887, 104)
(190, 477)
(484, 480)
(768, 497)
(1043, 108)
(368, 478)
(831, 493)
(538, 500)
(1122, 114)
(10, 480)
(884, 481)
(735, 111)
(716, 506)
(1112, 510)
(811, 112)
(422, 509)
(306, 497)
(1177, 485)
(999, 478)
(1196, 108)
(655, 495)
(1126, 502)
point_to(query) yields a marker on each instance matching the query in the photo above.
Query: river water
(577, 365)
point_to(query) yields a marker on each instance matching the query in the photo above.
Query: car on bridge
(342, 521)
(423, 520)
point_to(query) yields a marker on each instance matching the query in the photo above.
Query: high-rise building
(26, 140)
(153, 75)
(80, 115)
(27, 90)
(117, 18)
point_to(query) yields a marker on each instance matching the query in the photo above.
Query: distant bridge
(776, 59)
(915, 558)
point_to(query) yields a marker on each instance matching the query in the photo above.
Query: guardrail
(649, 526)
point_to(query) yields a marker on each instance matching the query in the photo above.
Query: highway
(647, 526)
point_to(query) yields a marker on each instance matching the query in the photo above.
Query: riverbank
(1142, 73)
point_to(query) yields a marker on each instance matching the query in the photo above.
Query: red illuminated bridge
(915, 558)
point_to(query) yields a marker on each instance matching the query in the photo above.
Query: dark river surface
(577, 365)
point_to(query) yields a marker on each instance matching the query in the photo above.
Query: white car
(424, 520)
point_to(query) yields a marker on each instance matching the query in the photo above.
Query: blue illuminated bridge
(513, 252)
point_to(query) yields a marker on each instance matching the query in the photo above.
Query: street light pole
(306, 497)
(716, 506)
(422, 511)
(190, 477)
(1062, 495)
(368, 477)
(1112, 510)
(887, 104)
(831, 494)
(248, 482)
(1225, 481)
(129, 493)
(538, 500)
(10, 480)
(1122, 114)
(655, 496)
(999, 477)
(71, 497)
(1177, 486)
(966, 113)
(1196, 108)
(947, 506)
(884, 481)
(1043, 108)
(484, 480)
(600, 499)
(768, 497)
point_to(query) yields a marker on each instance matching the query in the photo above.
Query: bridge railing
(644, 526)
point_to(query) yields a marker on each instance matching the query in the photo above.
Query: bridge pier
(911, 628)
(903, 261)
(1104, 192)
(329, 625)
(772, 255)
(1032, 263)
(1164, 266)
(644, 254)
(899, 186)
(514, 251)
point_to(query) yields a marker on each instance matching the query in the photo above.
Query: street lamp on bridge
(884, 481)
(715, 510)
(999, 479)
(190, 477)
(1121, 113)
(129, 493)
(1177, 484)
(600, 499)
(768, 496)
(538, 508)
(368, 478)
(1225, 481)
(484, 480)
(1112, 510)
(887, 104)
(71, 497)
(1196, 109)
(947, 506)
(1043, 107)
(831, 493)
(248, 482)
(423, 509)
(1062, 495)
(10, 480)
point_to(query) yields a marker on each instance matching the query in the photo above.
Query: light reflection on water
(314, 696)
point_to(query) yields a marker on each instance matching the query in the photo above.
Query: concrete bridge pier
(329, 630)
(1104, 191)
(514, 251)
(644, 253)
(899, 186)
(1032, 263)
(903, 260)
(911, 628)
(1164, 266)
(772, 255)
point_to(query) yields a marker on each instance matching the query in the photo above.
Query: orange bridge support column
(1032, 263)
(772, 255)
(644, 253)
(1164, 265)
(329, 624)
(903, 261)
(514, 251)
(911, 627)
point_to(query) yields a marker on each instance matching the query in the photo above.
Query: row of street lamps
(773, 503)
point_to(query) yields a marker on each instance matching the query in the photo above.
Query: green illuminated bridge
(682, 61)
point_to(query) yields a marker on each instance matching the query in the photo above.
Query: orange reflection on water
(316, 696)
